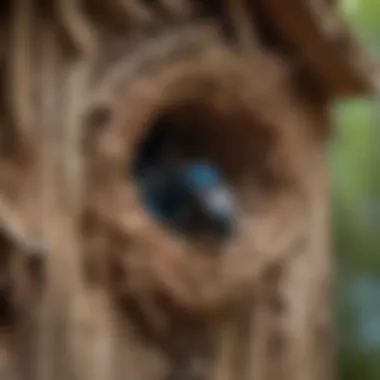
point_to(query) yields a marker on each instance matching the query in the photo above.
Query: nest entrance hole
(229, 140)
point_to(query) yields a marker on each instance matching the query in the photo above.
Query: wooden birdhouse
(93, 285)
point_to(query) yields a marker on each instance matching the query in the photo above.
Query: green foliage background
(355, 160)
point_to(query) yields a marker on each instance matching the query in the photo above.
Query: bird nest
(80, 92)
(214, 100)
(240, 105)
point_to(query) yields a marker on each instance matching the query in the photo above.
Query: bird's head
(189, 195)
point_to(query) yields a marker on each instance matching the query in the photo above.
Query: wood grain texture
(98, 289)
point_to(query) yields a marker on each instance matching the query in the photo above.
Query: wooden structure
(92, 288)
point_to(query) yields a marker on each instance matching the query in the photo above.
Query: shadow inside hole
(6, 300)
(187, 168)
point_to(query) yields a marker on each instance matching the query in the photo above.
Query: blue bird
(190, 196)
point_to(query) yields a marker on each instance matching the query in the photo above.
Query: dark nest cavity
(190, 167)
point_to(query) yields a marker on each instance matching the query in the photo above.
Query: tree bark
(97, 289)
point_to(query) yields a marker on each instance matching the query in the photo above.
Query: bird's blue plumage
(189, 195)
(201, 175)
